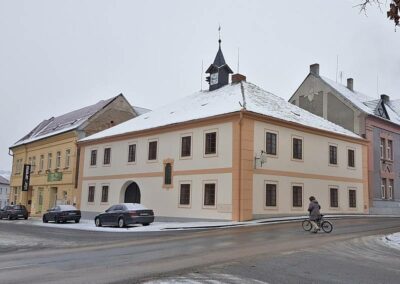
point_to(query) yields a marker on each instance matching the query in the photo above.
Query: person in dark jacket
(315, 214)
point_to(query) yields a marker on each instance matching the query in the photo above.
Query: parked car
(14, 212)
(125, 214)
(62, 213)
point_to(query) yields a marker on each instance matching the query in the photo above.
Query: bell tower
(219, 71)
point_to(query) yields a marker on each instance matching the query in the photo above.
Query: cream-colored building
(51, 150)
(234, 153)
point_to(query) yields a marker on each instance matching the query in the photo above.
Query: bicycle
(323, 224)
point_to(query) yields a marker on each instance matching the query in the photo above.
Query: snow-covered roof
(3, 180)
(228, 99)
(67, 122)
(366, 103)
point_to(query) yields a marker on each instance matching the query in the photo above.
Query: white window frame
(205, 132)
(276, 195)
(277, 142)
(302, 148)
(103, 156)
(190, 194)
(136, 151)
(67, 158)
(383, 188)
(329, 154)
(216, 194)
(58, 159)
(191, 146)
(390, 189)
(148, 150)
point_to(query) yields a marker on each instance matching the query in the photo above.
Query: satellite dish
(263, 157)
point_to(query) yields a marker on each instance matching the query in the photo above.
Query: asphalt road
(278, 253)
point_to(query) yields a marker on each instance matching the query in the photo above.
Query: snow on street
(392, 240)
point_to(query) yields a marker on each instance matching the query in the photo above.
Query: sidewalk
(88, 225)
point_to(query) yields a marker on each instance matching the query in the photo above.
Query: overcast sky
(58, 56)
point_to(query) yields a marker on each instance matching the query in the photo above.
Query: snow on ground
(392, 240)
(199, 278)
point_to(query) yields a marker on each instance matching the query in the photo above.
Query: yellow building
(51, 150)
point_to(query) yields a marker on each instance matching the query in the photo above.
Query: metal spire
(219, 35)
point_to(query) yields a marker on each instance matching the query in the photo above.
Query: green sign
(54, 176)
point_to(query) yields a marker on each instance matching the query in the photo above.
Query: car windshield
(19, 207)
(134, 206)
(66, 207)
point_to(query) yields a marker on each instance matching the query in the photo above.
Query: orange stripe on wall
(308, 176)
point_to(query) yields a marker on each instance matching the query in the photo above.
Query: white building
(4, 191)
(204, 157)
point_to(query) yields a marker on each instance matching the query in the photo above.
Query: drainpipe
(240, 164)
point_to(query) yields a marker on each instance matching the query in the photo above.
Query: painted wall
(149, 174)
(334, 107)
(4, 194)
(314, 172)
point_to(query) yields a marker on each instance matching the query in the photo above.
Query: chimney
(236, 78)
(314, 69)
(385, 98)
(350, 83)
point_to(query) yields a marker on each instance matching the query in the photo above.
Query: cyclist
(315, 215)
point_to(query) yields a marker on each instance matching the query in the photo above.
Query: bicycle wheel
(327, 226)
(306, 225)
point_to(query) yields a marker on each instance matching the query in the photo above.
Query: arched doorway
(132, 193)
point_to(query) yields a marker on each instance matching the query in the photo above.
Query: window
(351, 158)
(67, 158)
(184, 198)
(334, 197)
(209, 194)
(297, 149)
(389, 150)
(297, 196)
(93, 157)
(33, 168)
(30, 163)
(49, 157)
(168, 174)
(382, 148)
(270, 143)
(41, 162)
(152, 150)
(352, 198)
(332, 155)
(104, 194)
(383, 188)
(91, 194)
(390, 189)
(132, 153)
(270, 195)
(107, 156)
(58, 159)
(211, 143)
(186, 146)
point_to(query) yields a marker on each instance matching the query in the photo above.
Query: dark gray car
(125, 214)
(14, 212)
(62, 213)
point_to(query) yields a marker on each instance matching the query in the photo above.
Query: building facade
(376, 119)
(51, 150)
(235, 152)
(4, 191)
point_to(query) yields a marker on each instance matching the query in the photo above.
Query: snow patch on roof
(227, 99)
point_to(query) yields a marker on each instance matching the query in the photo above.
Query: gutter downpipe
(240, 164)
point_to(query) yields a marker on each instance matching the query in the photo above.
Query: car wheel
(121, 222)
(26, 217)
(45, 219)
(97, 222)
(9, 217)
(56, 220)
(77, 220)
(146, 224)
